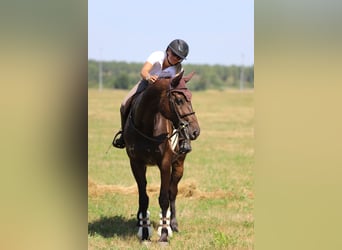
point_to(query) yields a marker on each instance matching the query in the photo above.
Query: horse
(158, 114)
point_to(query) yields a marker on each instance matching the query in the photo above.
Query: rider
(158, 64)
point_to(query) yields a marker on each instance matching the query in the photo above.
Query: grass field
(216, 197)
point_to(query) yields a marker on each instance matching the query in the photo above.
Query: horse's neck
(146, 108)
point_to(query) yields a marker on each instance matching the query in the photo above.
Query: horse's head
(180, 108)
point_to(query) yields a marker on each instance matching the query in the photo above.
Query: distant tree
(93, 74)
(123, 75)
(122, 81)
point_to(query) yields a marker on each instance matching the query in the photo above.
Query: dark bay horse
(161, 110)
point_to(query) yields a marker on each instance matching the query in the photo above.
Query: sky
(217, 31)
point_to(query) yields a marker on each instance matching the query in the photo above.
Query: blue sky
(217, 31)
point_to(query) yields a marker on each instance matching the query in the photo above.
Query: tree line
(124, 75)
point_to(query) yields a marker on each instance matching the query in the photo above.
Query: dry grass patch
(187, 188)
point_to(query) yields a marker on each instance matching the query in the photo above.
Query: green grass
(215, 204)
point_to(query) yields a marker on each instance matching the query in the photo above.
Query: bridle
(173, 105)
(182, 124)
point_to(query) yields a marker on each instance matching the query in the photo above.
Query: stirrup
(118, 142)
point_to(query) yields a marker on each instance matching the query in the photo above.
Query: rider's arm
(145, 73)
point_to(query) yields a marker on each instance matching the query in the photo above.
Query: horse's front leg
(176, 176)
(144, 224)
(164, 229)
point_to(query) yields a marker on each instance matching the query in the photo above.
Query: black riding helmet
(179, 47)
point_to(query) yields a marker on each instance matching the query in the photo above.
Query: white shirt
(156, 59)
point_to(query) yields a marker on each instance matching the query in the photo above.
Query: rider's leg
(118, 140)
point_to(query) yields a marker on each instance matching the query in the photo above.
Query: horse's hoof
(163, 239)
(163, 235)
(174, 226)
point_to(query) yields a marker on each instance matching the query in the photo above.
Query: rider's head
(179, 48)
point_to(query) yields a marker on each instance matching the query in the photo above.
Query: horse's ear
(175, 80)
(189, 76)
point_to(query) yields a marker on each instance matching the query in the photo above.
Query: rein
(149, 137)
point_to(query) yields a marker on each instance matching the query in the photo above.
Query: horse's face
(184, 114)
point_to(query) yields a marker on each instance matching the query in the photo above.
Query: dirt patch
(186, 188)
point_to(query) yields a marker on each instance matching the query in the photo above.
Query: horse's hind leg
(176, 175)
(145, 229)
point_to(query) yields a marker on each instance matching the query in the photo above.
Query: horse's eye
(179, 101)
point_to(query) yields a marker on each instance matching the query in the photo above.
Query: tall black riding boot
(118, 140)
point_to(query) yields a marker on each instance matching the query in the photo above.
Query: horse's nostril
(196, 134)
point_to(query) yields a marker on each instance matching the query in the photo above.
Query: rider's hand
(152, 79)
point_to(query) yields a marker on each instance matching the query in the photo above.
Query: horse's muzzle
(189, 130)
(194, 133)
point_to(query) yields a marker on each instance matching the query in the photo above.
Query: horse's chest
(147, 154)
